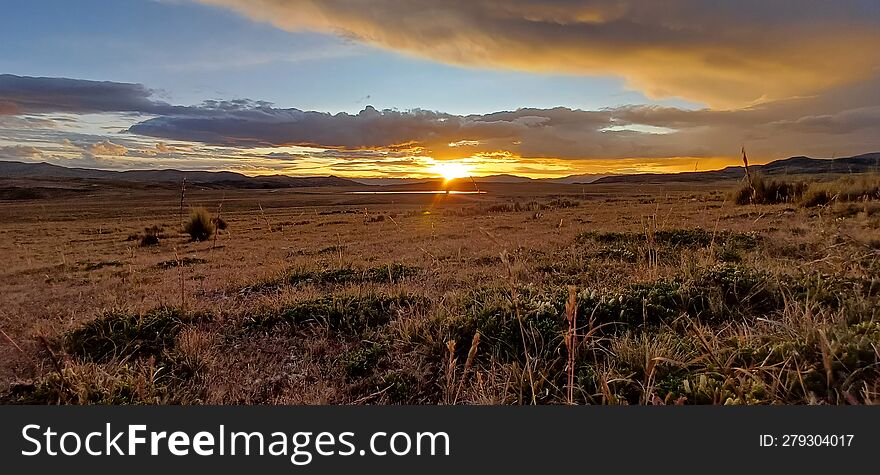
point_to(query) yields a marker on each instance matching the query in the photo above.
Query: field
(529, 293)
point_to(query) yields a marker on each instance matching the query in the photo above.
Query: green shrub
(361, 360)
(347, 315)
(341, 276)
(124, 335)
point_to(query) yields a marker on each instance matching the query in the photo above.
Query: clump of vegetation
(609, 237)
(150, 237)
(827, 360)
(149, 240)
(120, 357)
(561, 203)
(517, 206)
(667, 244)
(90, 266)
(182, 262)
(817, 195)
(146, 382)
(219, 223)
(346, 315)
(348, 275)
(200, 226)
(390, 273)
(360, 360)
(763, 191)
(677, 340)
(689, 238)
(719, 294)
(846, 189)
(124, 335)
(19, 193)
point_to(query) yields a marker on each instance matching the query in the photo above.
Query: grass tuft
(200, 226)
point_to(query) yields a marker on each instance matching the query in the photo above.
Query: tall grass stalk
(571, 339)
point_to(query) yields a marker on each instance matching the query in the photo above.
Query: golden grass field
(317, 296)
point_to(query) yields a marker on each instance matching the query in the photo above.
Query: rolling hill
(46, 171)
(869, 162)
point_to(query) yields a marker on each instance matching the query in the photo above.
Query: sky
(392, 89)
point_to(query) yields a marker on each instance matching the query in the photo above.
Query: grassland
(532, 293)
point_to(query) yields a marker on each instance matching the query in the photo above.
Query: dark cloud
(848, 121)
(633, 131)
(370, 128)
(40, 95)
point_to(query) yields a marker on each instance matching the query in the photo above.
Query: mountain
(869, 162)
(502, 178)
(209, 179)
(390, 181)
(576, 179)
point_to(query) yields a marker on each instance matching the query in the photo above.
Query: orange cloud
(726, 54)
(107, 147)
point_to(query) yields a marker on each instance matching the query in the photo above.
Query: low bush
(362, 359)
(763, 191)
(220, 223)
(200, 226)
(149, 240)
(124, 335)
(846, 189)
(346, 315)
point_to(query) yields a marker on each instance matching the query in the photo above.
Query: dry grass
(633, 296)
(763, 191)
(200, 226)
(846, 189)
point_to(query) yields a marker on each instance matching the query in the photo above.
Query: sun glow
(451, 170)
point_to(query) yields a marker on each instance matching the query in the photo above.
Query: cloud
(847, 121)
(19, 152)
(798, 126)
(841, 120)
(263, 125)
(726, 54)
(107, 147)
(40, 95)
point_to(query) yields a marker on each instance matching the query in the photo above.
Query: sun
(450, 170)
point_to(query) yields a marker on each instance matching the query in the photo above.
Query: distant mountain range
(869, 162)
(210, 179)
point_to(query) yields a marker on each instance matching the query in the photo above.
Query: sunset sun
(451, 170)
